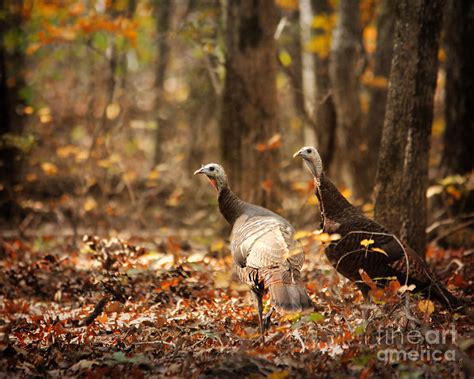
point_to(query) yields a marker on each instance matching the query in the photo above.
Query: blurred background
(108, 107)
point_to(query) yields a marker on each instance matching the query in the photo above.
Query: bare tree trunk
(163, 18)
(325, 113)
(249, 102)
(459, 109)
(122, 62)
(373, 122)
(295, 75)
(402, 174)
(344, 74)
(295, 70)
(307, 71)
(11, 114)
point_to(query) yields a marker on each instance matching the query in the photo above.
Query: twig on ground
(99, 308)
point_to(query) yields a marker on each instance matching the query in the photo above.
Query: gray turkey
(385, 257)
(265, 254)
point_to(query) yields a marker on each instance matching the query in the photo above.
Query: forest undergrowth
(170, 306)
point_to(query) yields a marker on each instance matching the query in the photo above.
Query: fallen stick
(99, 308)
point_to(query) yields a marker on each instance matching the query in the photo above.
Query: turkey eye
(211, 169)
(308, 151)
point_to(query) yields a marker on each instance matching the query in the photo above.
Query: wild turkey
(265, 254)
(367, 245)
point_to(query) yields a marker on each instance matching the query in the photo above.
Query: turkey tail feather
(289, 297)
(286, 290)
(442, 294)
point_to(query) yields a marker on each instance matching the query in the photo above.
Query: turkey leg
(259, 297)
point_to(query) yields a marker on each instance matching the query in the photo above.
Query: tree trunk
(163, 16)
(295, 75)
(325, 113)
(344, 74)
(459, 100)
(373, 122)
(11, 102)
(402, 174)
(295, 70)
(307, 71)
(249, 111)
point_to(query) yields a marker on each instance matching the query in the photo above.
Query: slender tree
(249, 110)
(344, 72)
(459, 103)
(325, 119)
(402, 174)
(374, 119)
(163, 18)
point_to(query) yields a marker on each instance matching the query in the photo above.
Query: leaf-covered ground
(169, 306)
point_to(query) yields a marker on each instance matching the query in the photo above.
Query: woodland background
(108, 106)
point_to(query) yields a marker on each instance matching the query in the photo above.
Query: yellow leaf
(217, 245)
(112, 111)
(285, 58)
(45, 115)
(321, 22)
(366, 242)
(320, 45)
(49, 169)
(291, 316)
(154, 174)
(300, 186)
(302, 234)
(323, 238)
(379, 250)
(90, 204)
(313, 200)
(346, 192)
(279, 375)
(370, 38)
(426, 306)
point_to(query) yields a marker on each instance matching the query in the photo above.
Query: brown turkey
(265, 254)
(365, 244)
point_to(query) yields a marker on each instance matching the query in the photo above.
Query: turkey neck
(333, 205)
(230, 205)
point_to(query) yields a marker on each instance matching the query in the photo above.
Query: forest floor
(168, 305)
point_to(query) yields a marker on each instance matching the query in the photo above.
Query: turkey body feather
(367, 245)
(266, 256)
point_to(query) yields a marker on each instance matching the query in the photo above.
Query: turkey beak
(199, 171)
(298, 153)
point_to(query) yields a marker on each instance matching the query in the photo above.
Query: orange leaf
(394, 285)
(367, 279)
(426, 306)
(267, 185)
(273, 143)
(102, 318)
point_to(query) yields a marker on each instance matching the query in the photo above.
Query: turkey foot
(267, 322)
